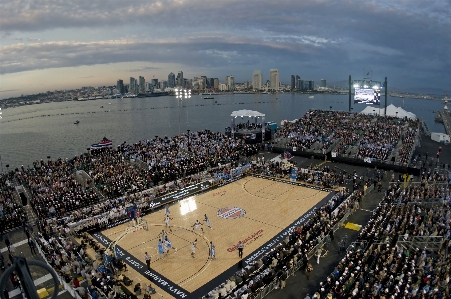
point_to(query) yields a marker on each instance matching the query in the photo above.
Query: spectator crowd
(380, 268)
(352, 134)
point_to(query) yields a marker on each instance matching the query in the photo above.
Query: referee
(240, 249)
(147, 258)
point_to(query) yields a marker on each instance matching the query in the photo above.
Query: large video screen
(367, 96)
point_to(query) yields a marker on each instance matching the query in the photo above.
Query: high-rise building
(323, 83)
(171, 80)
(210, 82)
(257, 80)
(154, 82)
(120, 87)
(203, 82)
(274, 79)
(142, 85)
(298, 83)
(293, 82)
(216, 83)
(230, 82)
(164, 84)
(133, 86)
(188, 83)
(180, 81)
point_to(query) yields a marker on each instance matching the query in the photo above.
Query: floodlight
(365, 86)
(375, 87)
(356, 85)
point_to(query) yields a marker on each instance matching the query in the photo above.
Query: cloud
(202, 50)
(8, 90)
(142, 69)
(408, 39)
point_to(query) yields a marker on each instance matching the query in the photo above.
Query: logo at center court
(231, 212)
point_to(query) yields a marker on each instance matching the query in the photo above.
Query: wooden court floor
(268, 207)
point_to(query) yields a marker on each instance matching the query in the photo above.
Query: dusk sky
(54, 44)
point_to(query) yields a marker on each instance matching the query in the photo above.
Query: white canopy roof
(391, 111)
(249, 113)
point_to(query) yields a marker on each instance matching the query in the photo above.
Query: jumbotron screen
(367, 96)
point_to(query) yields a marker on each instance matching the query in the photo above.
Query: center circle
(231, 212)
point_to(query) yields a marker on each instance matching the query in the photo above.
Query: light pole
(181, 94)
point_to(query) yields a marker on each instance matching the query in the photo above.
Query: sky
(64, 44)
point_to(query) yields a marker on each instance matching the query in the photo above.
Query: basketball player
(193, 248)
(212, 251)
(207, 220)
(167, 220)
(167, 212)
(168, 244)
(163, 235)
(161, 248)
(197, 225)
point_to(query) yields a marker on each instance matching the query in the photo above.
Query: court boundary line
(176, 290)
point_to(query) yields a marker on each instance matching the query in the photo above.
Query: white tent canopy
(249, 113)
(392, 110)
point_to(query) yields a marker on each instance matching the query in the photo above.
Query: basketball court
(257, 211)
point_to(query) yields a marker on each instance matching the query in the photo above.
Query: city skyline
(46, 45)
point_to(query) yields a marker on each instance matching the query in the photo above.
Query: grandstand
(406, 223)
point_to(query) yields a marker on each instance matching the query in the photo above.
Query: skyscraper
(133, 86)
(210, 82)
(120, 87)
(230, 82)
(216, 83)
(257, 80)
(293, 82)
(180, 81)
(323, 83)
(171, 80)
(274, 79)
(142, 85)
(298, 83)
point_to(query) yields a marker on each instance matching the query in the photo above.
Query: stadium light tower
(181, 94)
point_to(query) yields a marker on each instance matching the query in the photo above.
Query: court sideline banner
(161, 281)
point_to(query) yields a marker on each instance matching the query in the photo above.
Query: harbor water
(39, 131)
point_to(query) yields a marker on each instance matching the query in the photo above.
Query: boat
(208, 98)
(311, 97)
(104, 143)
(210, 94)
(77, 122)
(101, 106)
